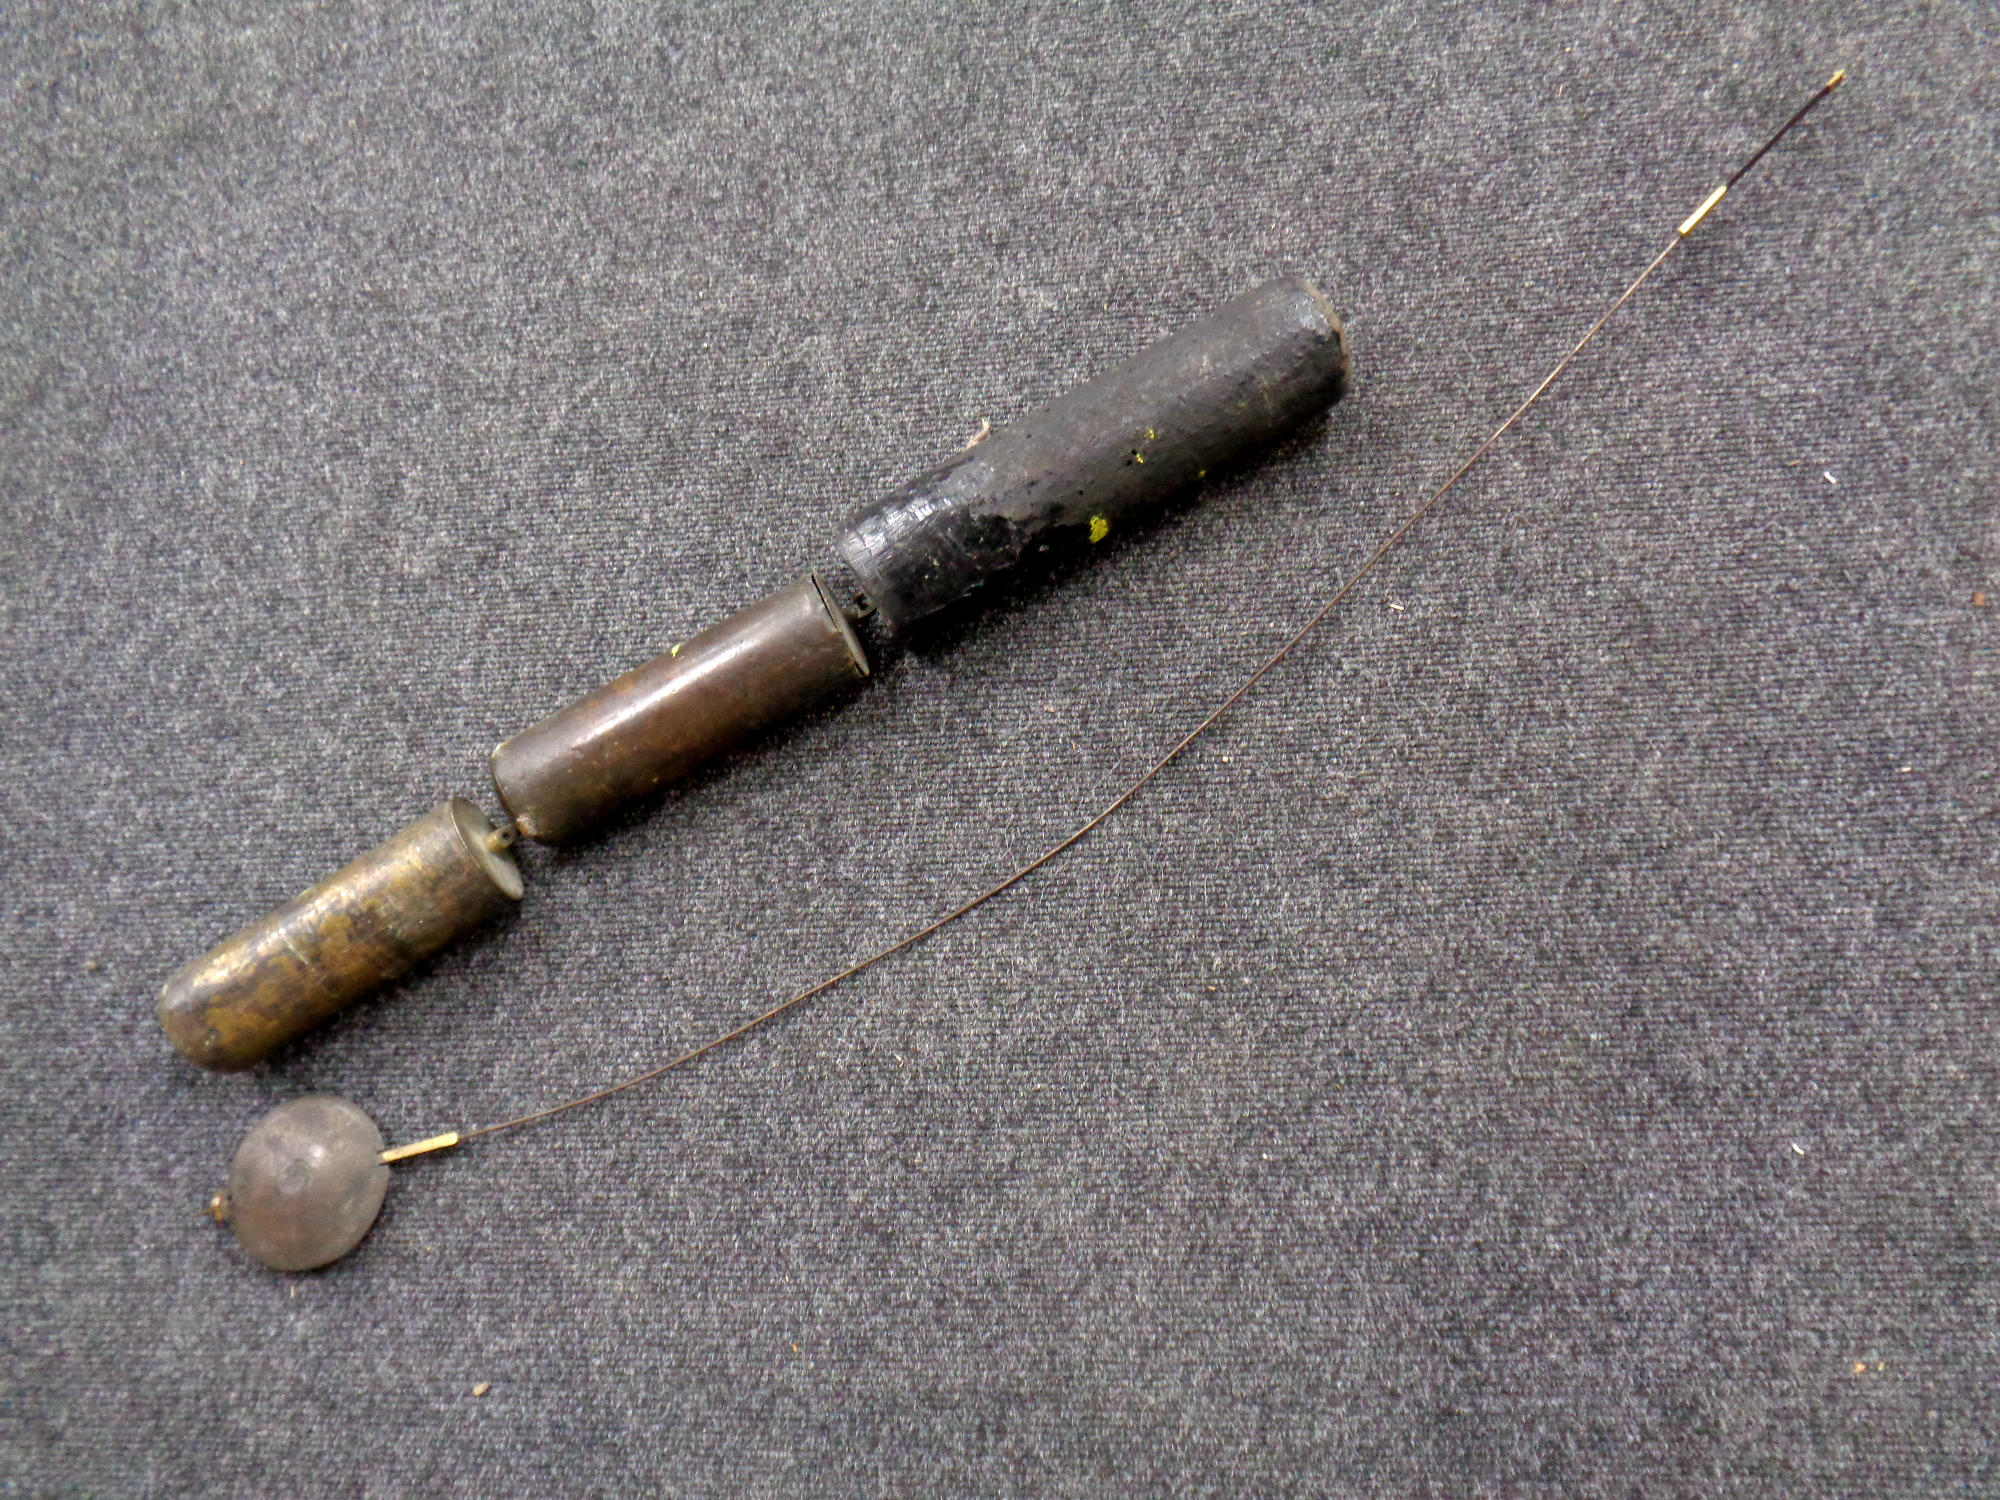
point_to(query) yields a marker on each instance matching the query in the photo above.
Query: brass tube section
(772, 661)
(284, 974)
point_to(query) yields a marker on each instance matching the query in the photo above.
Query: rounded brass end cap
(184, 1015)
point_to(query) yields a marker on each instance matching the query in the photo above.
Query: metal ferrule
(621, 744)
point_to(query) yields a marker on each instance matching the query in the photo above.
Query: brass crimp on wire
(1687, 224)
(418, 1148)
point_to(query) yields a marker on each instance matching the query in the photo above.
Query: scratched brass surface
(318, 953)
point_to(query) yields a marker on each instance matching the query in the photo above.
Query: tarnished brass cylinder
(779, 657)
(402, 901)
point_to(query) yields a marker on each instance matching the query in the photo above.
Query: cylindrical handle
(1078, 468)
(1117, 445)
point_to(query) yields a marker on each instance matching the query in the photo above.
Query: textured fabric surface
(1542, 1044)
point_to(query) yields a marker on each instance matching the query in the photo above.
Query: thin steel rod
(1786, 129)
(1208, 721)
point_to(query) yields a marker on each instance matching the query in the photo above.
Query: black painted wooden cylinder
(1090, 461)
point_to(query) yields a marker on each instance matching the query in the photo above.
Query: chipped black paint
(1114, 447)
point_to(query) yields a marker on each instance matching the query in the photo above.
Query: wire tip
(1839, 77)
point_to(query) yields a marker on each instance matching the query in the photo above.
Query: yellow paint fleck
(1151, 435)
(1861, 1367)
(482, 1388)
(677, 649)
(1100, 528)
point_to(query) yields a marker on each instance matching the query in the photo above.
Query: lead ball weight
(306, 1184)
(284, 974)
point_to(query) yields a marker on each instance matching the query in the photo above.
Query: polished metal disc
(306, 1184)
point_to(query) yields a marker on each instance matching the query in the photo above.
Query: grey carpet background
(1543, 1044)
